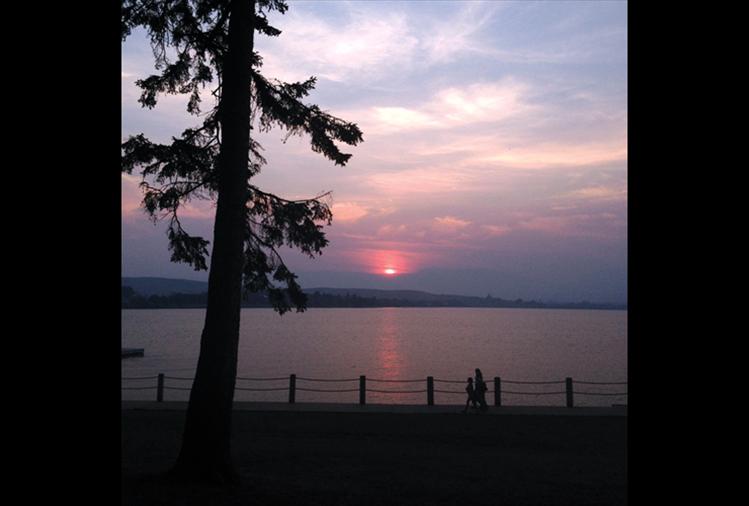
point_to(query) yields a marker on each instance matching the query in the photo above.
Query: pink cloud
(496, 230)
(348, 212)
(449, 108)
(376, 260)
(450, 223)
(599, 193)
(390, 230)
(132, 197)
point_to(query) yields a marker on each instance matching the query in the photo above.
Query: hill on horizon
(150, 286)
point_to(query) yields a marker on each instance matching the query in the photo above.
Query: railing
(430, 390)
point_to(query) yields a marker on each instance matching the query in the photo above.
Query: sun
(389, 271)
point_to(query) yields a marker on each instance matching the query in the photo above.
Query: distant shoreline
(581, 308)
(172, 294)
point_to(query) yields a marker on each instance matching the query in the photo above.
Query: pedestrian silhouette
(471, 395)
(480, 389)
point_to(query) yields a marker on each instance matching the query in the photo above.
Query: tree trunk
(206, 449)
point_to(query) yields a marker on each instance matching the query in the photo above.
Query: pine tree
(197, 42)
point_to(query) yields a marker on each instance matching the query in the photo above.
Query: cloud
(400, 258)
(348, 212)
(450, 223)
(131, 194)
(132, 198)
(393, 119)
(496, 230)
(421, 182)
(449, 108)
(362, 42)
(591, 224)
(481, 102)
(362, 46)
(444, 40)
(545, 154)
(391, 230)
(599, 193)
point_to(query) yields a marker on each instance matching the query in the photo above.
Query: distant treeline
(134, 300)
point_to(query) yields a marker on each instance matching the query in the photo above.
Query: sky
(494, 158)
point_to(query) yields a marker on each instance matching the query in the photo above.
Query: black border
(72, 247)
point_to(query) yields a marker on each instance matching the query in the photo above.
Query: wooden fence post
(292, 389)
(362, 390)
(430, 390)
(160, 388)
(568, 382)
(497, 391)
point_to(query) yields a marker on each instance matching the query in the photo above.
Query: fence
(569, 392)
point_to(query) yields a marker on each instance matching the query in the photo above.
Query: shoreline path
(412, 409)
(347, 454)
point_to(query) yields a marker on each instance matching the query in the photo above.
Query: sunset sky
(494, 157)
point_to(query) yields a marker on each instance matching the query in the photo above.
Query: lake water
(386, 344)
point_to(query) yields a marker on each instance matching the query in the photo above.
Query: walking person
(471, 395)
(480, 389)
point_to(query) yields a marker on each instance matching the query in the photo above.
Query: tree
(194, 41)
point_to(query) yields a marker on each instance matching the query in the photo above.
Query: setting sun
(390, 271)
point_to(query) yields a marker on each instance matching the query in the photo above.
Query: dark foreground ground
(319, 458)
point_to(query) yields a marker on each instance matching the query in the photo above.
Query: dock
(132, 352)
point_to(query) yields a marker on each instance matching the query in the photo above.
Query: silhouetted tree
(197, 42)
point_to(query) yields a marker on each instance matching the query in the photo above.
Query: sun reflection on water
(389, 354)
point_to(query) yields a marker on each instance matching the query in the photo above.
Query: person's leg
(465, 410)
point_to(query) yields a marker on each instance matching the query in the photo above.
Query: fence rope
(534, 382)
(436, 380)
(460, 392)
(262, 379)
(238, 377)
(600, 393)
(326, 380)
(600, 382)
(520, 382)
(262, 389)
(397, 391)
(396, 381)
(326, 390)
(376, 380)
(533, 393)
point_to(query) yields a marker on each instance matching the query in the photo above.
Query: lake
(386, 344)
